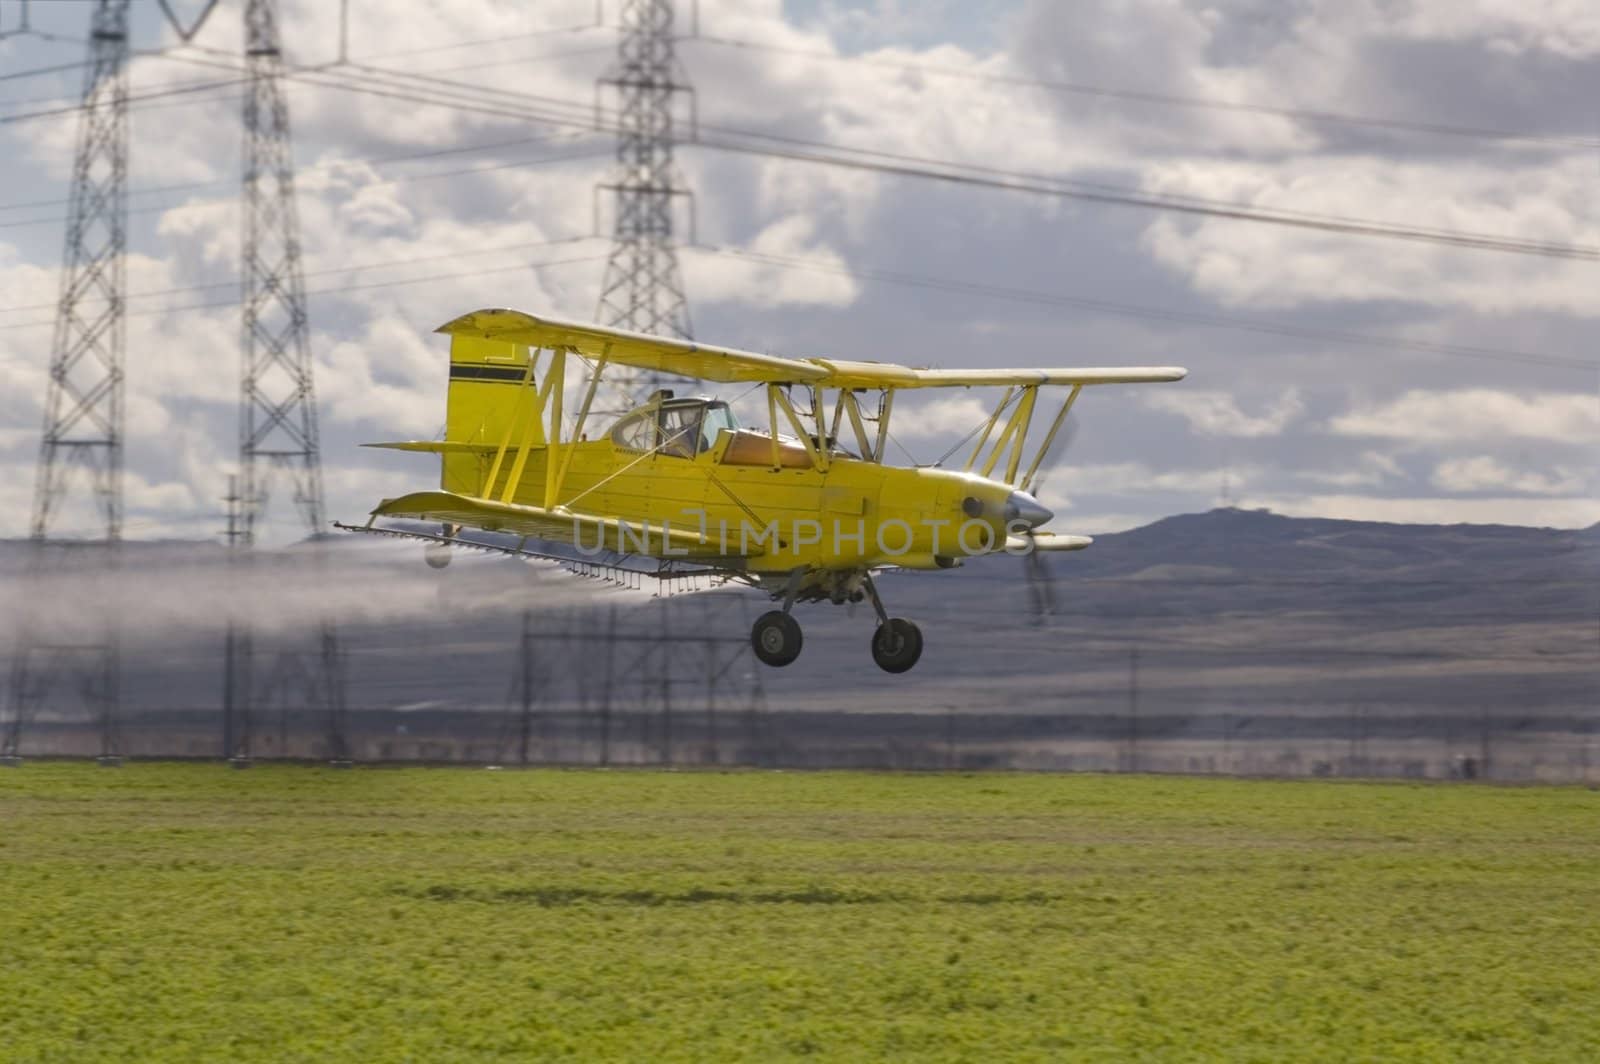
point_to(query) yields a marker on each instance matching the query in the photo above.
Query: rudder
(491, 395)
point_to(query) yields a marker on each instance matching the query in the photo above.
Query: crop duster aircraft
(805, 508)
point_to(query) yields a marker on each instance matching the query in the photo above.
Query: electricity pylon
(83, 404)
(83, 418)
(643, 287)
(277, 403)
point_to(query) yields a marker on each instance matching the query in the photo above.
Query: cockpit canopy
(682, 427)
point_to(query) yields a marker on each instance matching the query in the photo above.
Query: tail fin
(493, 403)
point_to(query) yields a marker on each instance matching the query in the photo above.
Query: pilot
(679, 428)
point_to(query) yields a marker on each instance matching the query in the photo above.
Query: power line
(1192, 205)
(994, 177)
(334, 164)
(582, 27)
(521, 60)
(340, 290)
(1216, 321)
(1134, 310)
(1165, 99)
(408, 179)
(133, 99)
(61, 68)
(475, 99)
(872, 274)
(233, 281)
(1051, 85)
(895, 164)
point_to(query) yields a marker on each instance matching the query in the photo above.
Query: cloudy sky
(1330, 374)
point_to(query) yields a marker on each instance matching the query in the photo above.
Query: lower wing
(585, 531)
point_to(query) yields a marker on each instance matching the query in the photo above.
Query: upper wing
(707, 362)
(886, 375)
(562, 526)
(640, 350)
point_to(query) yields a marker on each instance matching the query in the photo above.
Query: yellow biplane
(805, 508)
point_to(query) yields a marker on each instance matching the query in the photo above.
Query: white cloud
(1369, 471)
(1139, 478)
(1277, 266)
(380, 372)
(1503, 510)
(1217, 413)
(1567, 28)
(945, 415)
(1477, 414)
(749, 280)
(1484, 473)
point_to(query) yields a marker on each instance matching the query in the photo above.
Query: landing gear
(776, 635)
(776, 638)
(897, 644)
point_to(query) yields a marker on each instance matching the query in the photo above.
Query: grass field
(185, 912)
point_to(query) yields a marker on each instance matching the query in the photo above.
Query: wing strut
(988, 427)
(583, 418)
(1050, 438)
(1012, 437)
(554, 386)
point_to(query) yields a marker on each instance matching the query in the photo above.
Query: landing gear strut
(897, 644)
(776, 636)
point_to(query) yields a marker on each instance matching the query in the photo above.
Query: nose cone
(1024, 508)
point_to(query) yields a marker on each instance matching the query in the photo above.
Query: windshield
(717, 418)
(678, 428)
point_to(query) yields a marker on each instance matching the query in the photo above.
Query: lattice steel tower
(83, 418)
(83, 405)
(643, 288)
(277, 404)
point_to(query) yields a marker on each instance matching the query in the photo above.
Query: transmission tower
(277, 402)
(643, 287)
(83, 419)
(237, 657)
(83, 404)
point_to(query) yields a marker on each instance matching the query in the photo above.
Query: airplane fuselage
(852, 515)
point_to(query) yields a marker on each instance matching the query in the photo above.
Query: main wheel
(776, 638)
(896, 645)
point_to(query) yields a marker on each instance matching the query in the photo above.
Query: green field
(186, 912)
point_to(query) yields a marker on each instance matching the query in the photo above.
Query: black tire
(776, 638)
(896, 645)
